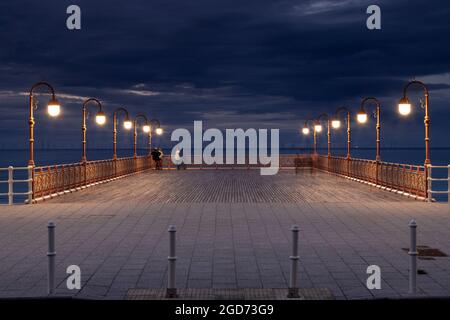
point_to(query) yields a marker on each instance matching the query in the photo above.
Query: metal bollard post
(171, 285)
(10, 185)
(51, 254)
(293, 289)
(413, 257)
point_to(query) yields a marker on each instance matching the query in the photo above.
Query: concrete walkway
(233, 232)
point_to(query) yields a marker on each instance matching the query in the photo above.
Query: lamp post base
(293, 293)
(171, 293)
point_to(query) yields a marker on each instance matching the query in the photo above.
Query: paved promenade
(233, 232)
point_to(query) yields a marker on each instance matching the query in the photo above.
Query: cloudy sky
(246, 63)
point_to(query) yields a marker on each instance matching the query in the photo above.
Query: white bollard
(51, 254)
(413, 257)
(293, 288)
(171, 283)
(10, 185)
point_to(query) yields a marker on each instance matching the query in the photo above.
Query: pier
(233, 228)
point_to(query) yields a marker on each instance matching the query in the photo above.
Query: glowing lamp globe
(362, 117)
(159, 131)
(54, 108)
(318, 127)
(336, 124)
(146, 128)
(127, 124)
(404, 107)
(100, 118)
(305, 130)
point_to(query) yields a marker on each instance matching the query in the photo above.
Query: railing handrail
(11, 181)
(374, 161)
(88, 162)
(430, 180)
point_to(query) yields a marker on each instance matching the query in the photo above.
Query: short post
(413, 257)
(30, 184)
(171, 285)
(51, 254)
(10, 185)
(293, 289)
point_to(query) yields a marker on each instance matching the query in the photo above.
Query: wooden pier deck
(233, 232)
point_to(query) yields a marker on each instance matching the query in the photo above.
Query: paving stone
(233, 231)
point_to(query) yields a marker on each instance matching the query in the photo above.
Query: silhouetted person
(157, 156)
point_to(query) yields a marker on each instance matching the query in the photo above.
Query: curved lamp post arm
(84, 126)
(127, 118)
(307, 121)
(415, 82)
(43, 84)
(156, 121)
(378, 125)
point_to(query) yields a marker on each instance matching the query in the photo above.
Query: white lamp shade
(53, 109)
(362, 117)
(404, 108)
(100, 118)
(336, 124)
(127, 124)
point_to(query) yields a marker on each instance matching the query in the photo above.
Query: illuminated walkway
(239, 185)
(233, 232)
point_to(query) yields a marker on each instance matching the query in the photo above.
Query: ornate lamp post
(319, 118)
(53, 109)
(158, 131)
(362, 118)
(100, 118)
(404, 108)
(145, 128)
(127, 124)
(327, 117)
(317, 128)
(336, 123)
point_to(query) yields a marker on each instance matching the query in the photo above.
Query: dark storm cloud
(243, 61)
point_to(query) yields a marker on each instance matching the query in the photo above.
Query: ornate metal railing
(409, 179)
(58, 179)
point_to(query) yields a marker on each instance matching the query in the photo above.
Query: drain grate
(233, 294)
(427, 253)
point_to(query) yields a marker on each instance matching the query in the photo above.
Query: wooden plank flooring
(230, 186)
